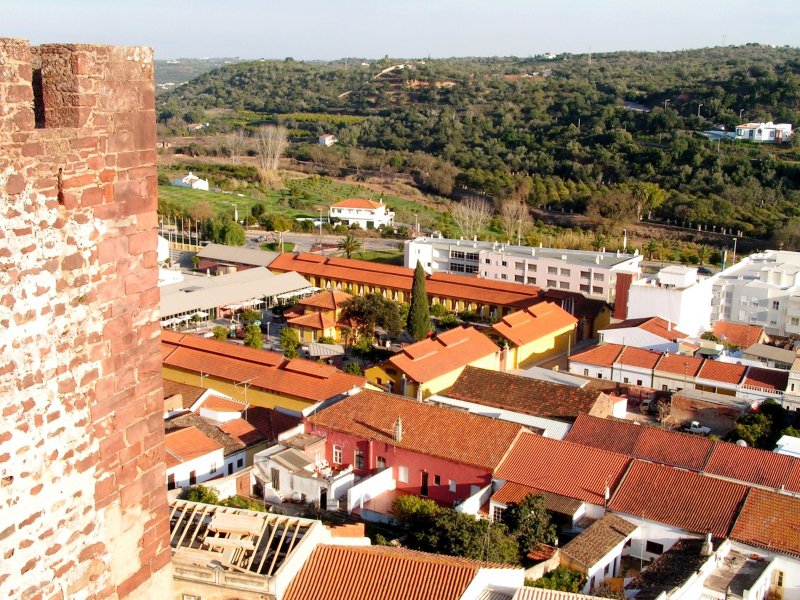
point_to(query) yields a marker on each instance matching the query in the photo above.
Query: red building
(434, 452)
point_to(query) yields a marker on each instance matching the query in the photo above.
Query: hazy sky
(326, 29)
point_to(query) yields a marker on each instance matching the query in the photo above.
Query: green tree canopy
(419, 317)
(252, 337)
(220, 333)
(529, 522)
(372, 310)
(290, 341)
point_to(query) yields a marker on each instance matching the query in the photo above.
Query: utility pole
(741, 110)
(698, 109)
(665, 104)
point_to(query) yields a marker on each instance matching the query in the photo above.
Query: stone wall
(83, 510)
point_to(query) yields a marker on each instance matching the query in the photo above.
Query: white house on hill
(362, 213)
(774, 133)
(191, 181)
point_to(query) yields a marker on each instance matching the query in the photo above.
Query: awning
(302, 292)
(168, 322)
(201, 314)
(232, 307)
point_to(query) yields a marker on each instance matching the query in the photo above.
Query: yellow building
(536, 333)
(432, 365)
(319, 316)
(256, 377)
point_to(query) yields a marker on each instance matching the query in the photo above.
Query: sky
(329, 29)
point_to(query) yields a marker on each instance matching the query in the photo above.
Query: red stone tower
(83, 508)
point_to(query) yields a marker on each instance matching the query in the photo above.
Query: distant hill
(170, 73)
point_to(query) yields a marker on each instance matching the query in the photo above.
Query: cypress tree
(419, 317)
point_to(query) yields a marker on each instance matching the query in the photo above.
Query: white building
(675, 294)
(593, 274)
(327, 139)
(362, 213)
(653, 333)
(764, 132)
(192, 457)
(191, 181)
(763, 289)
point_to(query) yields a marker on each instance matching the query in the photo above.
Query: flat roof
(197, 292)
(238, 254)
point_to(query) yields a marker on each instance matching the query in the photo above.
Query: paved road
(304, 241)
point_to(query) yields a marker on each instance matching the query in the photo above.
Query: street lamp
(665, 104)
(741, 110)
(235, 212)
(698, 109)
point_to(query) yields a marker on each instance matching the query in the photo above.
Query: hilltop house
(191, 181)
(363, 213)
(770, 132)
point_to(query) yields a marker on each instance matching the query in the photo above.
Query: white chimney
(398, 430)
(707, 549)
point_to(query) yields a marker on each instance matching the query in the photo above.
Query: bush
(354, 368)
(449, 322)
(220, 333)
(559, 579)
(438, 310)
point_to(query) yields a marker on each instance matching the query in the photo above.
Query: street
(304, 241)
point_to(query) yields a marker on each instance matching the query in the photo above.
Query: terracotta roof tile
(766, 379)
(270, 423)
(655, 325)
(722, 372)
(360, 272)
(267, 370)
(312, 321)
(603, 355)
(243, 431)
(326, 300)
(220, 404)
(381, 573)
(534, 323)
(771, 521)
(563, 468)
(522, 394)
(357, 203)
(208, 428)
(677, 364)
(453, 435)
(597, 540)
(638, 357)
(793, 482)
(515, 492)
(642, 441)
(183, 445)
(189, 393)
(752, 465)
(739, 334)
(450, 350)
(691, 501)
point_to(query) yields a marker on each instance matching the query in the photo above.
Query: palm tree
(702, 254)
(349, 244)
(599, 241)
(650, 247)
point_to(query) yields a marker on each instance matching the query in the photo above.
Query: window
(452, 486)
(552, 270)
(654, 547)
(531, 267)
(795, 321)
(457, 268)
(596, 289)
(625, 380)
(584, 274)
(564, 285)
(380, 463)
(456, 254)
(402, 474)
(337, 455)
(487, 261)
(504, 264)
(192, 477)
(599, 277)
(503, 276)
(532, 280)
(586, 372)
(171, 481)
(275, 479)
(638, 382)
(468, 269)
(437, 480)
(230, 468)
(358, 460)
(551, 283)
(776, 304)
(473, 256)
(497, 514)
(565, 272)
(519, 265)
(519, 278)
(585, 288)
(240, 463)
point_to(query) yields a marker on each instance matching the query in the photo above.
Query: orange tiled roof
(604, 355)
(642, 441)
(769, 520)
(242, 431)
(534, 323)
(722, 372)
(189, 393)
(514, 492)
(453, 435)
(448, 351)
(361, 272)
(183, 445)
(739, 334)
(312, 320)
(691, 501)
(382, 572)
(655, 325)
(767, 379)
(357, 203)
(218, 403)
(677, 364)
(752, 465)
(638, 357)
(793, 482)
(522, 394)
(327, 300)
(562, 468)
(270, 371)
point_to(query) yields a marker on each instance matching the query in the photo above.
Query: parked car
(695, 427)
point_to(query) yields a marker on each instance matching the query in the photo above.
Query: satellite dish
(741, 443)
